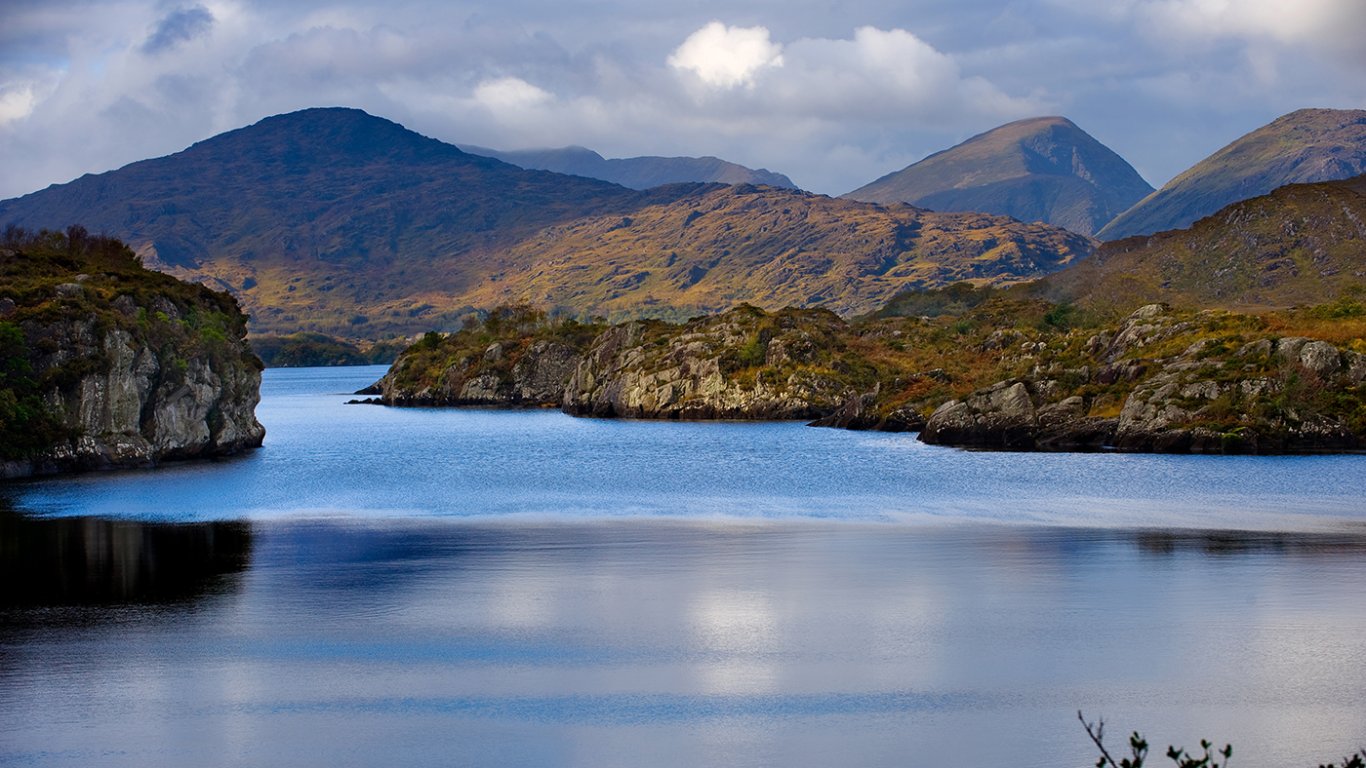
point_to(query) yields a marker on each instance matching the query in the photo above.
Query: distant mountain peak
(1304, 146)
(634, 172)
(1036, 169)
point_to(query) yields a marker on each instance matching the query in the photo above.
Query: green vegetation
(916, 363)
(27, 426)
(1298, 246)
(954, 299)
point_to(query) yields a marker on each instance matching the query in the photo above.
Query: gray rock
(1320, 357)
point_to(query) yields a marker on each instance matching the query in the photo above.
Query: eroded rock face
(130, 405)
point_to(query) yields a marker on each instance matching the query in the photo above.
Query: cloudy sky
(834, 94)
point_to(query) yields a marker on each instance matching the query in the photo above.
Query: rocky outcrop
(507, 373)
(1269, 395)
(161, 372)
(743, 364)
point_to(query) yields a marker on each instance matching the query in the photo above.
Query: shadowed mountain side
(717, 246)
(325, 216)
(1304, 146)
(1300, 245)
(634, 172)
(1041, 169)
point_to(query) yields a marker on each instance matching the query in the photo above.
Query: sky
(834, 94)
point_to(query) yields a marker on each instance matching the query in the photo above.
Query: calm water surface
(438, 587)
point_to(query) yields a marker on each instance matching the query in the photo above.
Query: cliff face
(1150, 388)
(108, 365)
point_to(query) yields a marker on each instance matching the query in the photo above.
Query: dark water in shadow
(95, 561)
(811, 598)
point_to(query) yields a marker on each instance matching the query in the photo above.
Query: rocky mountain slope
(1304, 146)
(1300, 245)
(106, 364)
(634, 172)
(334, 221)
(1041, 169)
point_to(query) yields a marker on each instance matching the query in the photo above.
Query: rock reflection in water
(92, 561)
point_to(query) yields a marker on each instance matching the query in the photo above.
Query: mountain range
(633, 172)
(337, 221)
(1041, 169)
(1304, 146)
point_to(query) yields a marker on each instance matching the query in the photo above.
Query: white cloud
(510, 95)
(727, 57)
(16, 102)
(884, 75)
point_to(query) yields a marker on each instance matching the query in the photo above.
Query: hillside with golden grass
(718, 246)
(1301, 245)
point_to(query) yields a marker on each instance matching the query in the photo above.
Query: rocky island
(104, 364)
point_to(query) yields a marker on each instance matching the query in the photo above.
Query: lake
(382, 586)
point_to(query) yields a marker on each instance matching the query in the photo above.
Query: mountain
(1304, 146)
(634, 172)
(1041, 169)
(325, 217)
(1303, 244)
(717, 245)
(334, 221)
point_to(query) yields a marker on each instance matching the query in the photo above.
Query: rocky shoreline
(1209, 397)
(1139, 387)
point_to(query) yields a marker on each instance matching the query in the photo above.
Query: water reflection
(406, 641)
(93, 561)
(1246, 542)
